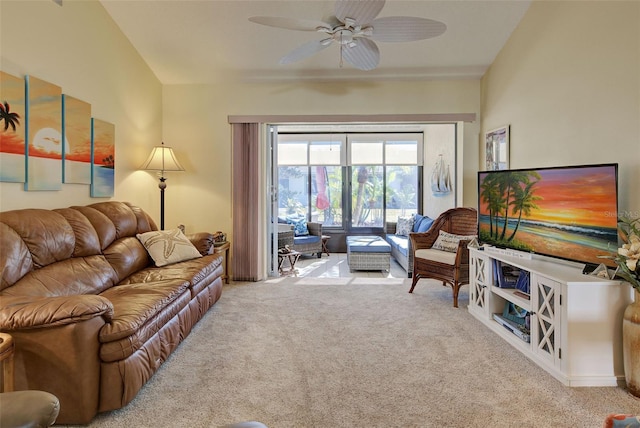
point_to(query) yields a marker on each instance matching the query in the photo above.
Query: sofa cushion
(421, 223)
(77, 275)
(194, 271)
(139, 311)
(449, 242)
(417, 219)
(168, 246)
(404, 226)
(401, 243)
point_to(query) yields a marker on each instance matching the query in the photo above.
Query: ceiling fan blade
(406, 29)
(364, 55)
(361, 11)
(289, 23)
(305, 51)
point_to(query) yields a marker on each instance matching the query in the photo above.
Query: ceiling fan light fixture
(355, 27)
(349, 22)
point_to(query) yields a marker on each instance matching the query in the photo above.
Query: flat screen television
(567, 212)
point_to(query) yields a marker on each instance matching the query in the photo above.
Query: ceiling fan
(355, 30)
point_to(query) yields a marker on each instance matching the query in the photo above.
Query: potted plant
(629, 269)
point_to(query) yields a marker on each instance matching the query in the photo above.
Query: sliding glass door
(349, 182)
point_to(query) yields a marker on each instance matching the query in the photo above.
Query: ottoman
(368, 253)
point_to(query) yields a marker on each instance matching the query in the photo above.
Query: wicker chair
(299, 244)
(442, 265)
(315, 230)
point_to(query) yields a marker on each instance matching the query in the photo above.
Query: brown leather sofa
(91, 316)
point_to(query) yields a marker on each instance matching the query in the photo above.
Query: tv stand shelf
(574, 320)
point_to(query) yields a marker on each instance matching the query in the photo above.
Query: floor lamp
(162, 159)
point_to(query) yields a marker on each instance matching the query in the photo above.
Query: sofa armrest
(390, 227)
(203, 241)
(315, 229)
(24, 313)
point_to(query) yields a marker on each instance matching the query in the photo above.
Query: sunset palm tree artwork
(76, 128)
(103, 158)
(9, 118)
(43, 135)
(12, 123)
(566, 212)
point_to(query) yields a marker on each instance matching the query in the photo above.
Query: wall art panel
(43, 135)
(76, 128)
(103, 158)
(12, 125)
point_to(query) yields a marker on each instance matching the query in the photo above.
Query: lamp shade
(162, 159)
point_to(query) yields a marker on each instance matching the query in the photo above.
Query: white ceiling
(207, 41)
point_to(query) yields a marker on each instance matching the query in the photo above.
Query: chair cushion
(445, 257)
(449, 242)
(303, 240)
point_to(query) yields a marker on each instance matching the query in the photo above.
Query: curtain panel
(246, 196)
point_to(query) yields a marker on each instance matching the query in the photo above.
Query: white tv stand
(575, 320)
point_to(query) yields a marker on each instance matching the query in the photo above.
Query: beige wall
(79, 48)
(568, 83)
(196, 115)
(91, 60)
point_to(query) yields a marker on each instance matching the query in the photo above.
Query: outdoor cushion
(424, 224)
(299, 225)
(367, 244)
(308, 239)
(399, 242)
(404, 226)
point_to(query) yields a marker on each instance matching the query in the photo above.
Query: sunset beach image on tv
(565, 212)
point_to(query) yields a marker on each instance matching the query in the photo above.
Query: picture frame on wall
(497, 149)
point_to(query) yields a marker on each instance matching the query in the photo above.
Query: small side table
(292, 257)
(224, 250)
(325, 250)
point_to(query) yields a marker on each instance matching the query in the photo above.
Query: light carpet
(355, 352)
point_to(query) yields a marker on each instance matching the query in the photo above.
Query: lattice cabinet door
(545, 328)
(478, 285)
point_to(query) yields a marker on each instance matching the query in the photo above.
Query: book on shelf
(506, 275)
(523, 283)
(513, 327)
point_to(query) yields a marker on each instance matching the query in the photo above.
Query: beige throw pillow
(449, 242)
(168, 246)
